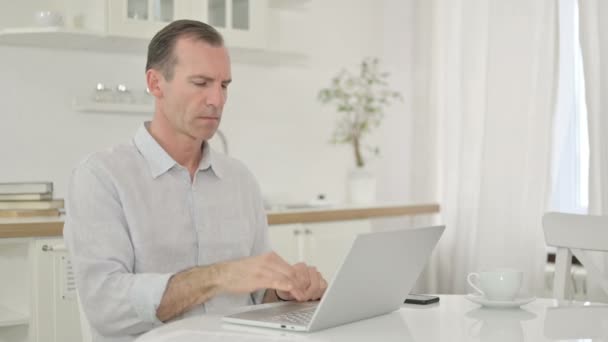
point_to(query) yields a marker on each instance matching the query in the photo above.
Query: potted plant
(360, 98)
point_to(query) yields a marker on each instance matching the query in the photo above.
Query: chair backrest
(574, 234)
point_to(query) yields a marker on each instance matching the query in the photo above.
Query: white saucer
(499, 303)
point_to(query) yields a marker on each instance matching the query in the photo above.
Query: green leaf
(361, 98)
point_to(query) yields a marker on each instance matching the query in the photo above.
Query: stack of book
(28, 199)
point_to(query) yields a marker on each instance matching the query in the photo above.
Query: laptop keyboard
(300, 317)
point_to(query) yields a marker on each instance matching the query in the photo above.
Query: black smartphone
(421, 299)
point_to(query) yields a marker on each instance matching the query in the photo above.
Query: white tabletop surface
(453, 319)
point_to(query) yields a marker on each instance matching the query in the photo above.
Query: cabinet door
(143, 18)
(241, 22)
(328, 243)
(14, 290)
(286, 241)
(55, 310)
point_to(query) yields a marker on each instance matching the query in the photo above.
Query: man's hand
(269, 271)
(312, 281)
(266, 271)
(196, 285)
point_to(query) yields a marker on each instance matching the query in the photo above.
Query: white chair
(574, 234)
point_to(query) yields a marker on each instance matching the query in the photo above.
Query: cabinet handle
(307, 231)
(54, 248)
(296, 232)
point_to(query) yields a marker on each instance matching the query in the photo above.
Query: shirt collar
(211, 159)
(159, 161)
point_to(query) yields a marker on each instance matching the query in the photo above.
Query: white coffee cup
(501, 284)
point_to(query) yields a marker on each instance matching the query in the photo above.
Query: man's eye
(225, 86)
(200, 84)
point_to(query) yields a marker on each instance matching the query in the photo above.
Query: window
(570, 158)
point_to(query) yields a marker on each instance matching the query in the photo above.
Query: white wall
(273, 121)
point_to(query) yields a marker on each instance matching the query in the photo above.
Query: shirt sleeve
(116, 301)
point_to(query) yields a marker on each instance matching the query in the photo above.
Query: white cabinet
(14, 290)
(37, 300)
(323, 245)
(327, 243)
(143, 18)
(55, 314)
(285, 241)
(241, 22)
(249, 27)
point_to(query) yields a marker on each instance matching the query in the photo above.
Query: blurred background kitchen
(499, 120)
(272, 120)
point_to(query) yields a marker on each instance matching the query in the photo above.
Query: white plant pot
(361, 186)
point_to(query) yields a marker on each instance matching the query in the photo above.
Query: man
(164, 227)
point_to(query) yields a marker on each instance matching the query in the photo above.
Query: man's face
(193, 100)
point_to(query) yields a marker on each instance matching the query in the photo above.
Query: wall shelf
(289, 4)
(82, 105)
(62, 38)
(9, 318)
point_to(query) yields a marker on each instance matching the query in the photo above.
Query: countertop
(53, 226)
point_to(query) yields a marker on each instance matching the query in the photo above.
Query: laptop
(376, 275)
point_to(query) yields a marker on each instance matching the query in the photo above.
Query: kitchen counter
(53, 226)
(345, 213)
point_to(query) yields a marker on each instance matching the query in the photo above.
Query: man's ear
(155, 81)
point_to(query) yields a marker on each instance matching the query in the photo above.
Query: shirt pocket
(228, 238)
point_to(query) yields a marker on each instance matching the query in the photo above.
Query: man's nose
(216, 96)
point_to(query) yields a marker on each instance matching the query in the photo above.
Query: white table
(453, 319)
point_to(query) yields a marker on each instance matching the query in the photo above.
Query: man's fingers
(299, 282)
(297, 273)
(322, 286)
(276, 268)
(276, 280)
(312, 293)
(275, 263)
(303, 275)
(284, 295)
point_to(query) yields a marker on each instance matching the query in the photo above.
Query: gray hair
(160, 49)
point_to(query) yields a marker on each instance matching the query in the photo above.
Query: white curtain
(570, 160)
(491, 93)
(594, 44)
(593, 23)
